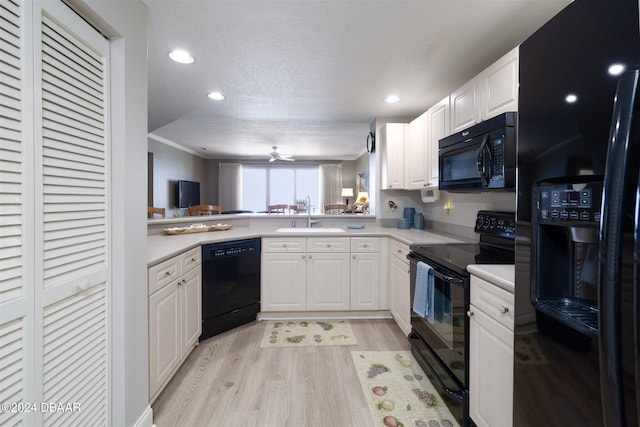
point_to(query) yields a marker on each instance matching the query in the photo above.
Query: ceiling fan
(277, 156)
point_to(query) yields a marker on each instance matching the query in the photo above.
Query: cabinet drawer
(493, 300)
(160, 275)
(275, 244)
(399, 250)
(328, 244)
(365, 244)
(191, 259)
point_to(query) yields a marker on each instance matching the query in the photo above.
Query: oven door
(445, 330)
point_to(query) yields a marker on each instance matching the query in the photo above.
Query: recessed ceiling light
(391, 99)
(571, 98)
(216, 96)
(181, 56)
(616, 69)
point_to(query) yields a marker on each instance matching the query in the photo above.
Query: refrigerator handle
(610, 250)
(636, 292)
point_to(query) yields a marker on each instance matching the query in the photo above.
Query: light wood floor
(228, 380)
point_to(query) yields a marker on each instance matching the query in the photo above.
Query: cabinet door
(191, 290)
(164, 335)
(417, 154)
(465, 107)
(438, 128)
(499, 86)
(328, 276)
(399, 292)
(393, 160)
(284, 282)
(365, 281)
(490, 371)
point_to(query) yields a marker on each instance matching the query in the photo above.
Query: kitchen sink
(309, 230)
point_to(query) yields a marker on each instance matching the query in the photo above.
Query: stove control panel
(502, 224)
(570, 203)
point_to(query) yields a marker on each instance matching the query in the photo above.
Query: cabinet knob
(284, 245)
(303, 257)
(504, 309)
(309, 256)
(328, 245)
(354, 257)
(168, 273)
(399, 250)
(469, 313)
(193, 260)
(364, 246)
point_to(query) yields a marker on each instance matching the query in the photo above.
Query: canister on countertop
(409, 213)
(418, 221)
(404, 223)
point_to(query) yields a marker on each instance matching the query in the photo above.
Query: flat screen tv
(188, 193)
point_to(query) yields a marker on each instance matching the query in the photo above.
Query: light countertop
(502, 275)
(161, 247)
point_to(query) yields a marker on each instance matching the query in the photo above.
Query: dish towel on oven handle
(423, 297)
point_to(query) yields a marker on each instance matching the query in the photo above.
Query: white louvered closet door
(62, 207)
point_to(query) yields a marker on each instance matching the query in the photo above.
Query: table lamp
(347, 192)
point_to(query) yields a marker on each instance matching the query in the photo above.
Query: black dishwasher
(230, 285)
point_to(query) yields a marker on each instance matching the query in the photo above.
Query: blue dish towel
(423, 293)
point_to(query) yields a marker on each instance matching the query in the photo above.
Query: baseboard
(290, 315)
(146, 419)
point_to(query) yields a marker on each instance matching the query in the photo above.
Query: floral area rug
(304, 333)
(398, 392)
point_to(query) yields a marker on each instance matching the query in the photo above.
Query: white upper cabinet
(465, 106)
(492, 92)
(393, 143)
(499, 86)
(417, 153)
(438, 127)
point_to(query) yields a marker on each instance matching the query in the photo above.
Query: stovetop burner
(496, 246)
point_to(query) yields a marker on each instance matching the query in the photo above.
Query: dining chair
(280, 208)
(198, 210)
(340, 208)
(151, 211)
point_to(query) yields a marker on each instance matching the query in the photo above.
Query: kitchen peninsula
(328, 270)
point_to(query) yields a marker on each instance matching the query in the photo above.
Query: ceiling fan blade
(287, 159)
(272, 159)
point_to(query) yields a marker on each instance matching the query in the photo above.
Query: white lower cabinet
(399, 285)
(490, 354)
(284, 281)
(320, 274)
(328, 278)
(175, 316)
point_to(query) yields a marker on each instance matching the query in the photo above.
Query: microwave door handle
(481, 163)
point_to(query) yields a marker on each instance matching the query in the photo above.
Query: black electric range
(440, 335)
(496, 245)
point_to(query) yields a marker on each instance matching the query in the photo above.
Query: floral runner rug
(398, 392)
(304, 333)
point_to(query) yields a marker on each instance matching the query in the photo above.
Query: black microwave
(482, 157)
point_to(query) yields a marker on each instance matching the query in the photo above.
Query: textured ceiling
(309, 76)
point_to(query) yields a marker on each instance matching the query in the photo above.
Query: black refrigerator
(576, 346)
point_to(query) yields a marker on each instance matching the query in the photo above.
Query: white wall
(171, 164)
(126, 24)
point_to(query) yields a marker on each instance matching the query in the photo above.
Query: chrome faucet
(310, 221)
